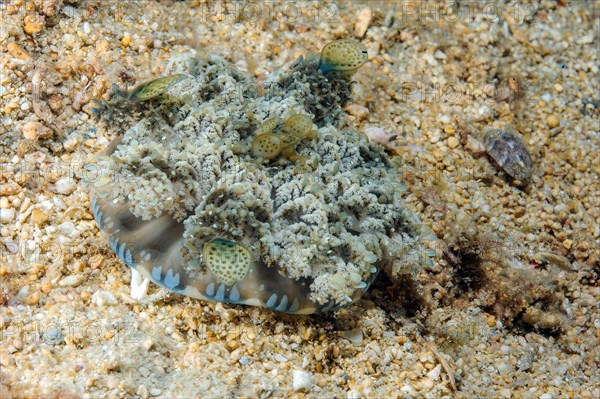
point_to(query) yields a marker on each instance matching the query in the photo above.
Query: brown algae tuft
(482, 267)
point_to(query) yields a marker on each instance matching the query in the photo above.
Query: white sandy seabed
(523, 323)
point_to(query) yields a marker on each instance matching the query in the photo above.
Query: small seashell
(510, 153)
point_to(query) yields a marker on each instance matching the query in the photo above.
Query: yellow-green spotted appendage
(266, 146)
(155, 88)
(227, 260)
(266, 127)
(299, 125)
(344, 55)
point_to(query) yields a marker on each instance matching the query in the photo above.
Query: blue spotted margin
(155, 248)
